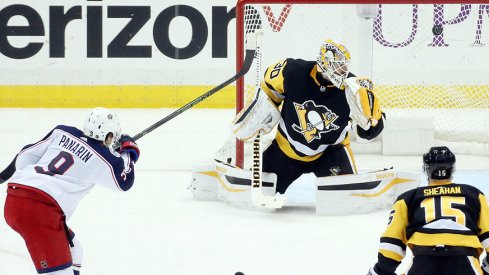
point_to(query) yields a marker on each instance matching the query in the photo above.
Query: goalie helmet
(100, 122)
(439, 163)
(333, 62)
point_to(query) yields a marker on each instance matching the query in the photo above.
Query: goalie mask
(333, 62)
(439, 163)
(100, 122)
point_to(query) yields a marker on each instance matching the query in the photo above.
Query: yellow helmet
(334, 62)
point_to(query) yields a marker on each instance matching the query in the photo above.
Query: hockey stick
(257, 196)
(250, 53)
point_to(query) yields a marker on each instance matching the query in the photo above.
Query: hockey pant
(335, 160)
(41, 222)
(446, 265)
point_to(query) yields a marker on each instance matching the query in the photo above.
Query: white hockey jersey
(67, 165)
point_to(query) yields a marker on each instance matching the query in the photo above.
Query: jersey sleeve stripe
(393, 241)
(276, 97)
(441, 230)
(484, 238)
(401, 252)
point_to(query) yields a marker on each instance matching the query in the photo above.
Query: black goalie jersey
(435, 220)
(315, 114)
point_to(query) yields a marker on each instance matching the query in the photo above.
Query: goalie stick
(257, 196)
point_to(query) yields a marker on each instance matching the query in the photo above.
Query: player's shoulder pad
(300, 66)
(470, 188)
(70, 129)
(275, 69)
(274, 76)
(408, 195)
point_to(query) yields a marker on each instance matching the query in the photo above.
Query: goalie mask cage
(425, 59)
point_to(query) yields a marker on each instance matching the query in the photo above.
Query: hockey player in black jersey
(318, 102)
(445, 224)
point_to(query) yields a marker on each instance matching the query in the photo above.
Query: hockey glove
(372, 271)
(364, 104)
(130, 146)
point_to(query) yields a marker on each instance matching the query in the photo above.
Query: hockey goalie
(314, 105)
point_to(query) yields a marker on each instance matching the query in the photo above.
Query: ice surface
(157, 228)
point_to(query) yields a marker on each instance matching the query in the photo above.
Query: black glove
(127, 144)
(373, 271)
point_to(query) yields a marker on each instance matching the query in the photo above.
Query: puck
(238, 273)
(437, 29)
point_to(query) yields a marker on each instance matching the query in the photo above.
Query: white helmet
(333, 62)
(100, 122)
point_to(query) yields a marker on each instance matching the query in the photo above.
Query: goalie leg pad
(260, 115)
(362, 193)
(234, 186)
(204, 182)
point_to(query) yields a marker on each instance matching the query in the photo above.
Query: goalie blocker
(335, 195)
(260, 115)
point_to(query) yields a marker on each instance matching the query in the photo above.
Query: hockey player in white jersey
(47, 180)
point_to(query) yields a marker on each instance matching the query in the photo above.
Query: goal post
(426, 60)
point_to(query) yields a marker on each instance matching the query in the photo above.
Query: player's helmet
(100, 122)
(334, 61)
(439, 163)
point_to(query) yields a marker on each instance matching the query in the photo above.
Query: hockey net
(425, 59)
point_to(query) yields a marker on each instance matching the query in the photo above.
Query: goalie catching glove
(364, 105)
(260, 115)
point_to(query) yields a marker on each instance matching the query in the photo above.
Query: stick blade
(276, 202)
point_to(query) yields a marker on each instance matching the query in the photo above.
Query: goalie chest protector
(314, 111)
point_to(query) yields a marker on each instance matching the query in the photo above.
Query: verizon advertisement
(116, 42)
(192, 42)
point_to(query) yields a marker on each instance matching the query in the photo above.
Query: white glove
(260, 114)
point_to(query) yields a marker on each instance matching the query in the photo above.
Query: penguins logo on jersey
(335, 170)
(314, 120)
